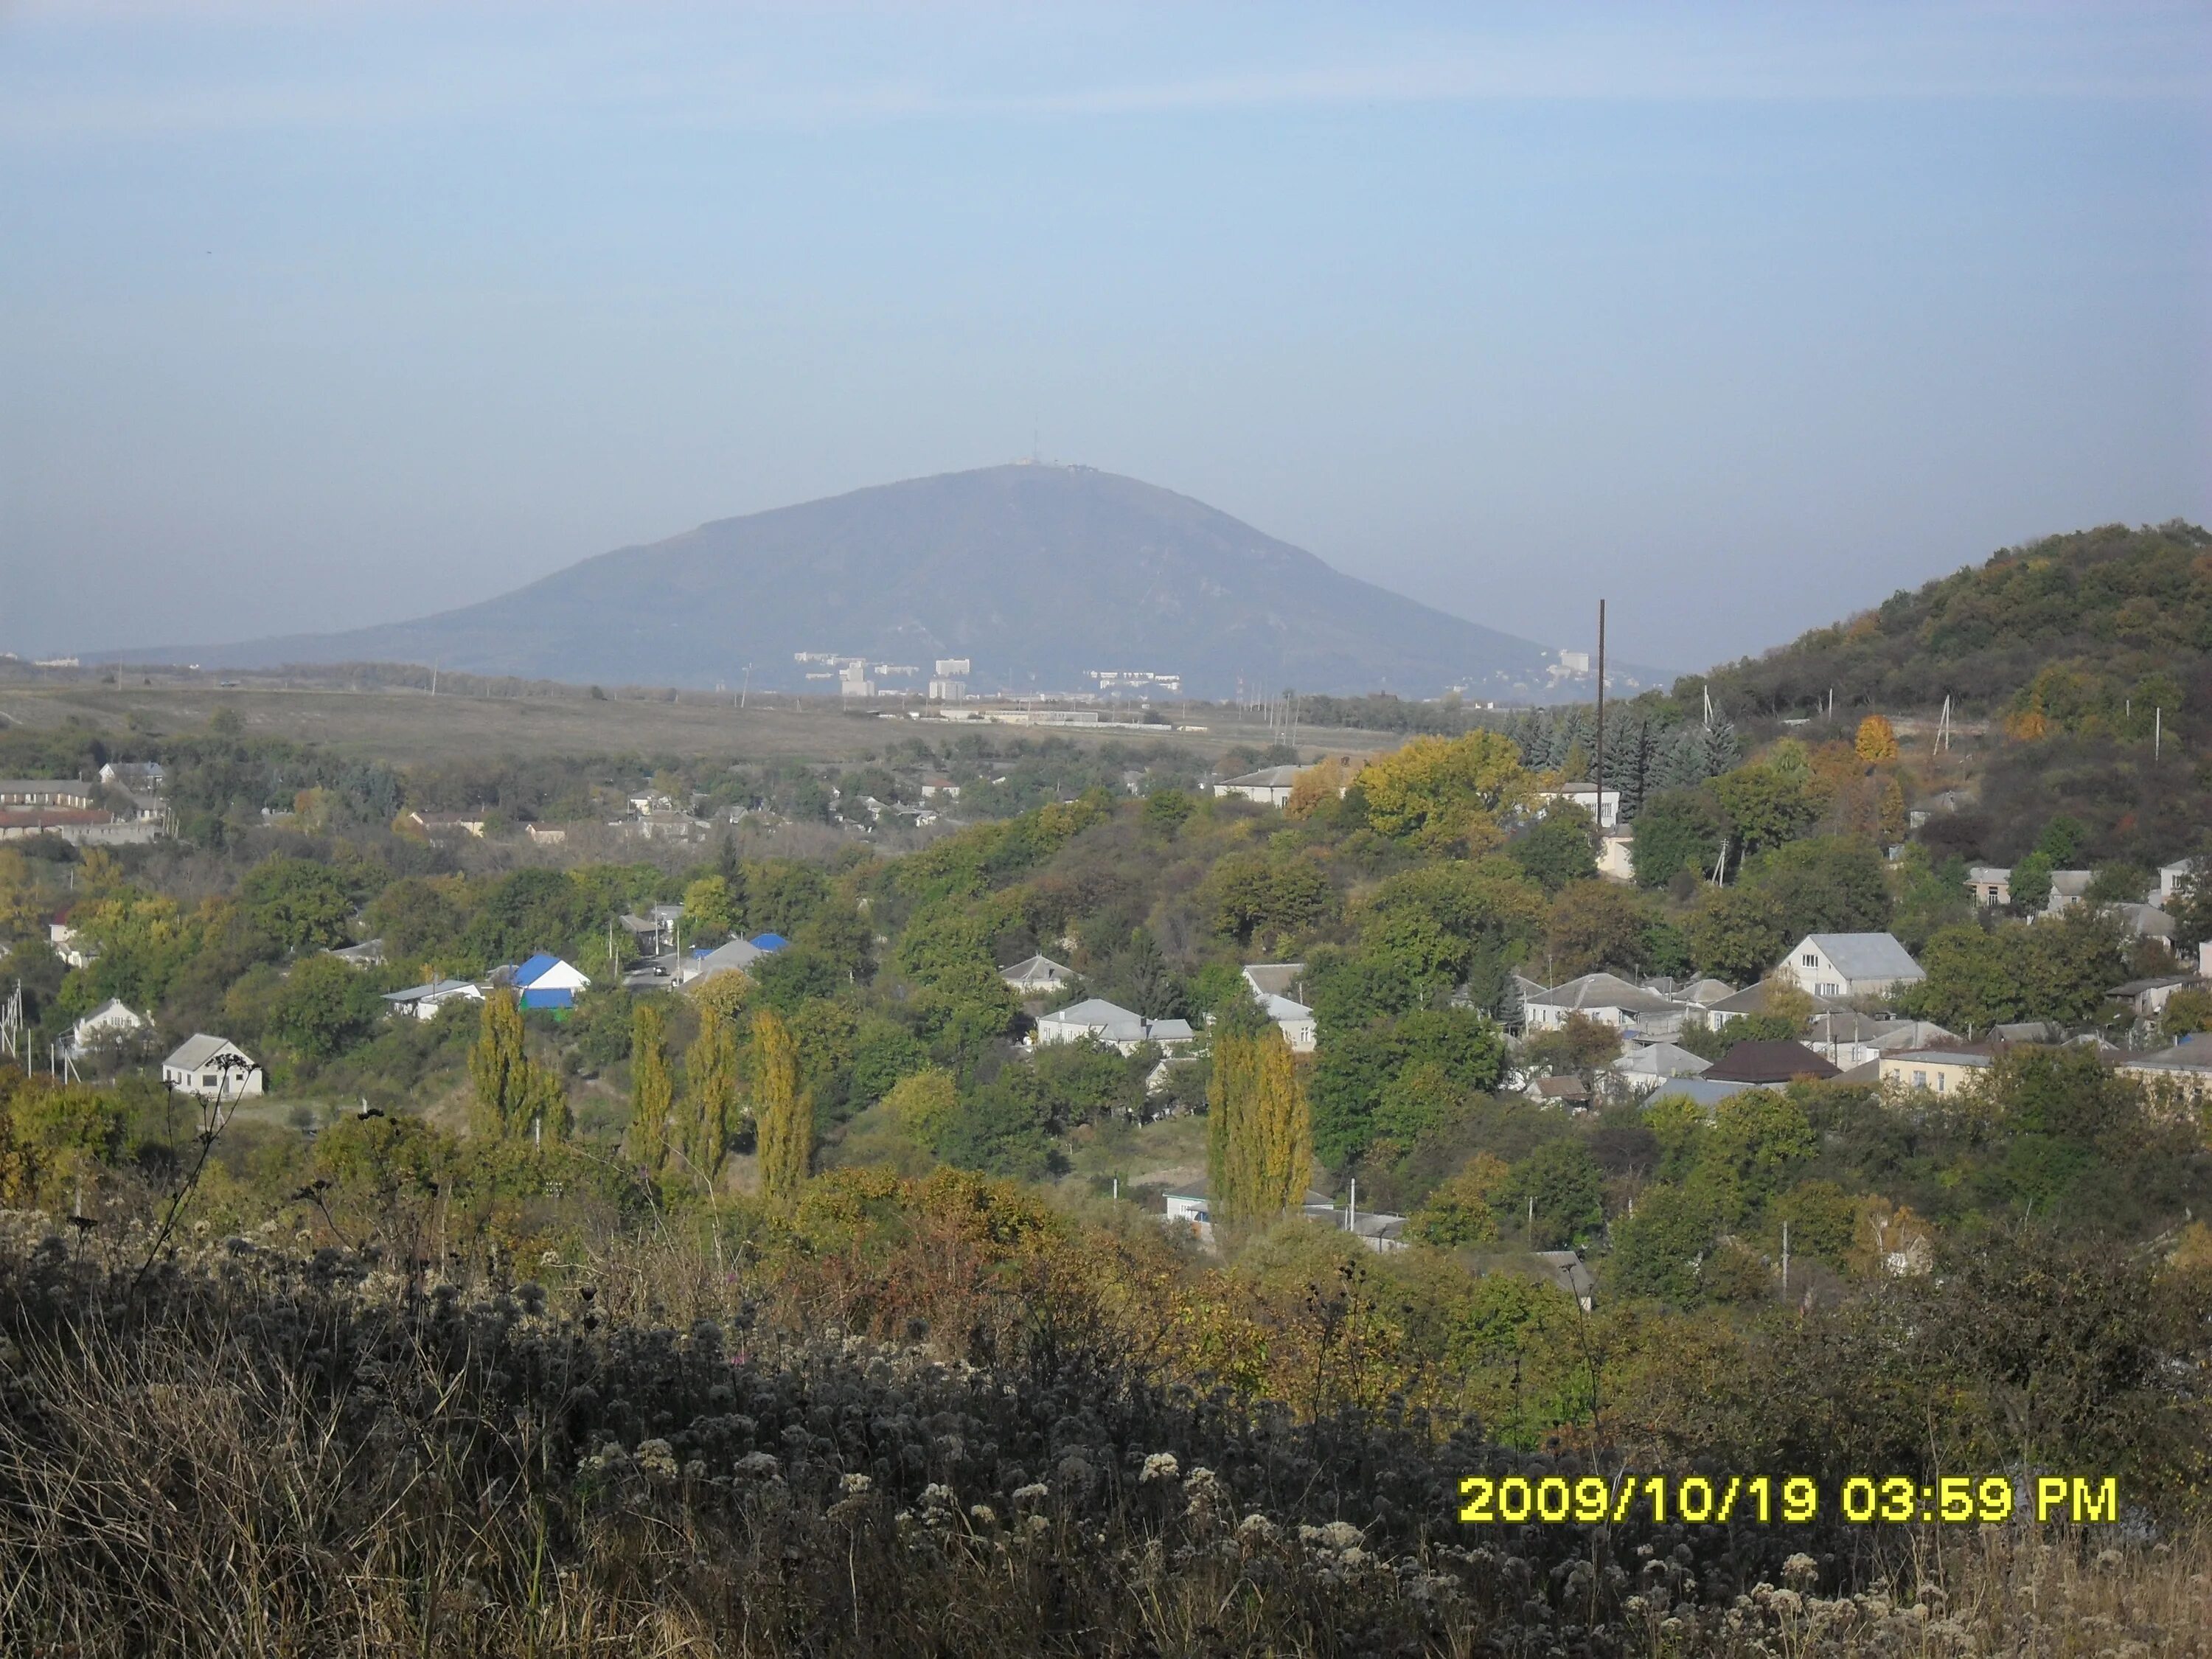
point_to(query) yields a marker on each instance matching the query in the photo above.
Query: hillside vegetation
(2095, 628)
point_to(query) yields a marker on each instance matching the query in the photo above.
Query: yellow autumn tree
(651, 1090)
(1448, 795)
(1261, 1140)
(1324, 781)
(1876, 741)
(784, 1116)
(922, 1104)
(710, 1096)
(513, 1096)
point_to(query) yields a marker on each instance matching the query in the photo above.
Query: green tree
(1558, 849)
(1823, 884)
(324, 1007)
(784, 1116)
(1577, 1045)
(1258, 897)
(651, 1090)
(1461, 1210)
(1594, 924)
(2031, 883)
(1737, 932)
(1660, 1251)
(1764, 807)
(709, 907)
(1678, 829)
(710, 1096)
(1558, 1191)
(419, 920)
(298, 902)
(1167, 810)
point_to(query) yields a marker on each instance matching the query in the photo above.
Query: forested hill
(2070, 629)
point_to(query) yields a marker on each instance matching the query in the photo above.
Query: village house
(2171, 878)
(57, 794)
(139, 777)
(546, 981)
(1989, 885)
(1942, 1070)
(1037, 975)
(1118, 1028)
(1616, 854)
(1842, 966)
(1643, 1069)
(2178, 1078)
(1275, 986)
(1602, 805)
(1270, 785)
(1636, 1012)
(368, 954)
(1767, 1065)
(428, 1001)
(213, 1068)
(1847, 1038)
(440, 827)
(111, 1022)
(2147, 998)
(546, 834)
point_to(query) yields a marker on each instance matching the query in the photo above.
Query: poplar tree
(651, 1095)
(497, 1066)
(710, 1089)
(1259, 1132)
(784, 1116)
(512, 1091)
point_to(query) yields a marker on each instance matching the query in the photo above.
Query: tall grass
(259, 1453)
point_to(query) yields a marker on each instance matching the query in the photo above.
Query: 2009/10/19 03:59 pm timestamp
(1793, 1500)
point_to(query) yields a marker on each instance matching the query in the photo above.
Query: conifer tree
(784, 1116)
(710, 1088)
(651, 1095)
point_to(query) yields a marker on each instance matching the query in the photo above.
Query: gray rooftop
(1603, 990)
(1868, 956)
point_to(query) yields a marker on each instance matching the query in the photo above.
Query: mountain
(1042, 576)
(2093, 629)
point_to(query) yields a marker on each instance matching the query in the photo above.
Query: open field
(408, 725)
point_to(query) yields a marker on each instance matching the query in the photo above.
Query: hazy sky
(317, 315)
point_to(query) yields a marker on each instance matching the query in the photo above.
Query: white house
(2171, 877)
(1270, 785)
(1105, 1022)
(1295, 1021)
(1847, 1039)
(1846, 965)
(425, 1001)
(69, 945)
(1602, 805)
(1037, 975)
(2068, 889)
(368, 954)
(113, 1021)
(212, 1067)
(1632, 1009)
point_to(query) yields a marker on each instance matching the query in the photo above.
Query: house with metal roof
(2178, 1077)
(546, 981)
(1643, 1069)
(1270, 785)
(1632, 1009)
(1037, 975)
(213, 1068)
(428, 1001)
(1119, 1028)
(1841, 966)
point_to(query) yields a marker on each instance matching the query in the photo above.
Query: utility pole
(2157, 733)
(1785, 1258)
(1598, 800)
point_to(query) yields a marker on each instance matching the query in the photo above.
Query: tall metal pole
(1599, 799)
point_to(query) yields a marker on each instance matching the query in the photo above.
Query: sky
(314, 315)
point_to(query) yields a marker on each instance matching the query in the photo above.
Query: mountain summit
(1042, 576)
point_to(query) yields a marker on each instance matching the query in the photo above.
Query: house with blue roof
(770, 942)
(546, 981)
